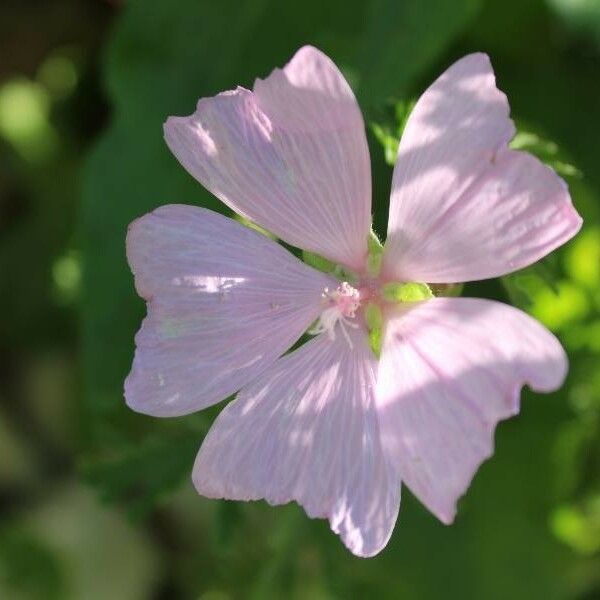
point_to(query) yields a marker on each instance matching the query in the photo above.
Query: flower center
(344, 298)
(341, 305)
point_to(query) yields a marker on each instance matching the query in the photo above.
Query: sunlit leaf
(582, 259)
(546, 150)
(579, 526)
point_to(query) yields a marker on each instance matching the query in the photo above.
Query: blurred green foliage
(29, 566)
(140, 475)
(529, 526)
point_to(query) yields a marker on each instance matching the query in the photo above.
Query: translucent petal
(463, 206)
(291, 155)
(450, 369)
(223, 303)
(307, 431)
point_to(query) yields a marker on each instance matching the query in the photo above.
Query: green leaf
(580, 15)
(389, 134)
(389, 139)
(405, 38)
(579, 526)
(546, 150)
(140, 475)
(524, 285)
(28, 566)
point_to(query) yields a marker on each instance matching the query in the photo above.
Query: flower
(396, 385)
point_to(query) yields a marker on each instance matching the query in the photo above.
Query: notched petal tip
(274, 443)
(462, 363)
(213, 287)
(172, 126)
(261, 152)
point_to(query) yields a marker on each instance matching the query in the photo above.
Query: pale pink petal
(292, 156)
(223, 303)
(463, 206)
(307, 430)
(450, 369)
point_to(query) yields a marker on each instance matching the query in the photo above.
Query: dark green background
(95, 501)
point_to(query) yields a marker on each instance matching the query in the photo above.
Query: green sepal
(373, 243)
(374, 321)
(375, 254)
(375, 338)
(406, 292)
(253, 225)
(318, 262)
(447, 290)
(373, 316)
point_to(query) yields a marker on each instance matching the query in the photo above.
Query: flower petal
(292, 156)
(223, 303)
(307, 431)
(450, 369)
(463, 206)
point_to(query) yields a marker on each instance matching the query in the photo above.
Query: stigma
(340, 305)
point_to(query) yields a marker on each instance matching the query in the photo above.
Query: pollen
(341, 305)
(345, 298)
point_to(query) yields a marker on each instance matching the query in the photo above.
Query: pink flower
(331, 425)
